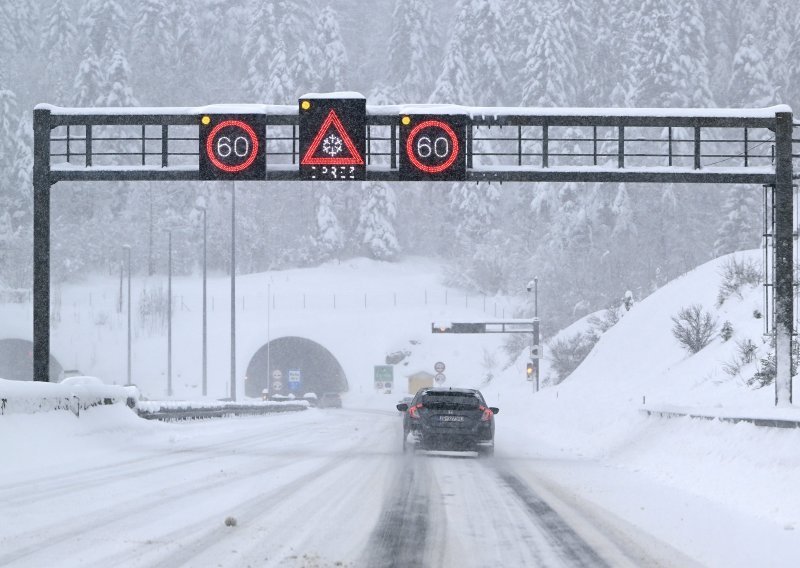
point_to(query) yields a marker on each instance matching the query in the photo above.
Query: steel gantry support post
(41, 245)
(783, 259)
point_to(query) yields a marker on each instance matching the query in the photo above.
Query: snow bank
(30, 397)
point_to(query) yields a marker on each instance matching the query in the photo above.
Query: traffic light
(536, 352)
(529, 370)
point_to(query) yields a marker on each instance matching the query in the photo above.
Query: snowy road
(317, 488)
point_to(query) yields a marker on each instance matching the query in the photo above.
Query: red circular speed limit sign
(433, 148)
(232, 147)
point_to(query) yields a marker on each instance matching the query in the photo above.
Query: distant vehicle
(311, 397)
(449, 419)
(82, 380)
(330, 400)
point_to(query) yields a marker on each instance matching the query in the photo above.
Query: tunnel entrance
(16, 361)
(294, 365)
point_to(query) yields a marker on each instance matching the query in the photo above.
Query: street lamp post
(169, 315)
(535, 354)
(127, 249)
(536, 330)
(233, 290)
(205, 314)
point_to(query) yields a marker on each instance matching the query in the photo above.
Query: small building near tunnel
(293, 366)
(419, 380)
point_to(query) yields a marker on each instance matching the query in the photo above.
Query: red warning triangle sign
(332, 146)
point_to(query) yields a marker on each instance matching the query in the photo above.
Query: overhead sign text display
(232, 147)
(332, 139)
(432, 148)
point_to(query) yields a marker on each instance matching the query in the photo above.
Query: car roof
(434, 390)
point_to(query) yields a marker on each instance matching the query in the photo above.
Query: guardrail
(221, 411)
(763, 422)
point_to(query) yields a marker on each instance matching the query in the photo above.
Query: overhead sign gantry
(338, 137)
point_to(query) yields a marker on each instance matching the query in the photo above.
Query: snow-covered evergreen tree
(654, 55)
(59, 43)
(329, 52)
(375, 231)
(749, 83)
(486, 54)
(550, 72)
(153, 30)
(413, 52)
(100, 20)
(477, 207)
(779, 17)
(303, 70)
(691, 70)
(257, 50)
(452, 84)
(329, 239)
(280, 86)
(88, 85)
(117, 90)
(12, 194)
(740, 228)
(183, 88)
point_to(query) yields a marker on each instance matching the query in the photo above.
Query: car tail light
(414, 410)
(487, 413)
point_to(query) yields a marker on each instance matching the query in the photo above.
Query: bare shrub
(153, 308)
(693, 328)
(736, 274)
(765, 375)
(566, 354)
(727, 331)
(747, 350)
(732, 367)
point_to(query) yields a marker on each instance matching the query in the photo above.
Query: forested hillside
(588, 244)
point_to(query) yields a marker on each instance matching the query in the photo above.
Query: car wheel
(405, 441)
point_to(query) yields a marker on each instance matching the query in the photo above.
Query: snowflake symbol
(332, 145)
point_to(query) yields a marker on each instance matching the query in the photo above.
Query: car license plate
(448, 418)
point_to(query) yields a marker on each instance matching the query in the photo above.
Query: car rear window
(451, 400)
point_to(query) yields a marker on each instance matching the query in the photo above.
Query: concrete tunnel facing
(294, 365)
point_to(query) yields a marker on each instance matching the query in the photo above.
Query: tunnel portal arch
(16, 361)
(319, 370)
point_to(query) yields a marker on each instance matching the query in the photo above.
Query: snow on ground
(588, 433)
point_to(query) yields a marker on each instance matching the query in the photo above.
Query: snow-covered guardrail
(767, 422)
(28, 397)
(192, 410)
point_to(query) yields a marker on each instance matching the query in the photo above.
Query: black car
(449, 419)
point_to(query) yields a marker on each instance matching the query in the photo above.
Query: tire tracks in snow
(570, 546)
(401, 536)
(87, 523)
(38, 489)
